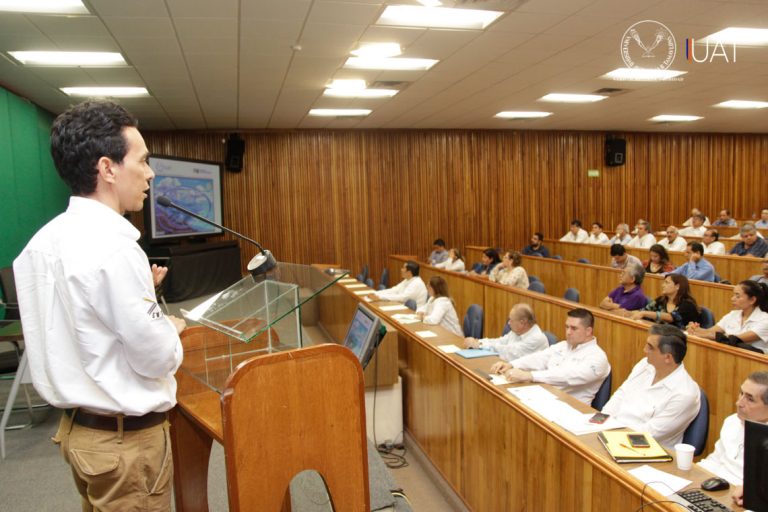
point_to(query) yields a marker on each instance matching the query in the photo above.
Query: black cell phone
(485, 375)
(599, 418)
(638, 441)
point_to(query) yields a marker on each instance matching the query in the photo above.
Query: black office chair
(551, 338)
(473, 322)
(362, 276)
(572, 294)
(707, 317)
(506, 329)
(8, 289)
(698, 430)
(384, 281)
(369, 283)
(532, 278)
(583, 260)
(411, 304)
(557, 257)
(537, 286)
(603, 394)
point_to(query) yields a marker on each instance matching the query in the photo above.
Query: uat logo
(648, 44)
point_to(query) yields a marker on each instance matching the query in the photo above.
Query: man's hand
(178, 323)
(517, 375)
(471, 343)
(500, 367)
(158, 274)
(738, 495)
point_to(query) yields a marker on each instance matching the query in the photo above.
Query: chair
(707, 317)
(363, 275)
(369, 283)
(384, 281)
(536, 286)
(506, 329)
(603, 394)
(473, 322)
(551, 338)
(583, 260)
(8, 289)
(718, 279)
(477, 267)
(557, 257)
(572, 294)
(536, 255)
(697, 432)
(411, 304)
(532, 278)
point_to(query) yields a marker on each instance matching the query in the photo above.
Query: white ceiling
(232, 64)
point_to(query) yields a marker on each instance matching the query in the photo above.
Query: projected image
(194, 194)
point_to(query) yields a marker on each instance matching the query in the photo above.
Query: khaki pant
(113, 471)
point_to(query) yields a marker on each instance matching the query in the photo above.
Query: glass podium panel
(255, 316)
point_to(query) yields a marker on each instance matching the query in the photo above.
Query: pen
(630, 448)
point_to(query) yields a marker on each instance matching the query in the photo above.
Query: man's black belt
(110, 422)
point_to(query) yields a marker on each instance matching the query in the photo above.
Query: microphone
(259, 264)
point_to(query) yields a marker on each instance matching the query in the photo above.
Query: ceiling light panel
(111, 92)
(743, 104)
(370, 50)
(397, 63)
(739, 36)
(572, 98)
(362, 93)
(674, 118)
(437, 17)
(339, 112)
(44, 6)
(522, 114)
(642, 74)
(35, 58)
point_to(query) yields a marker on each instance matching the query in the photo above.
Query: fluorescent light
(739, 36)
(339, 112)
(69, 58)
(44, 6)
(400, 63)
(642, 74)
(362, 93)
(342, 84)
(742, 104)
(511, 114)
(673, 118)
(114, 92)
(437, 17)
(572, 98)
(378, 50)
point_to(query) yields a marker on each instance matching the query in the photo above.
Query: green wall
(31, 192)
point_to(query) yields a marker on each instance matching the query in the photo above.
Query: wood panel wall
(353, 197)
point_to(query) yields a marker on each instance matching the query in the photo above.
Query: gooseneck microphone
(259, 264)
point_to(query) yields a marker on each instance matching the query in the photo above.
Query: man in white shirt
(524, 337)
(658, 397)
(576, 233)
(696, 228)
(622, 235)
(694, 213)
(597, 237)
(98, 343)
(644, 239)
(711, 243)
(673, 242)
(411, 286)
(577, 365)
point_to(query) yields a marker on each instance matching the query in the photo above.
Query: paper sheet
(664, 483)
(364, 292)
(472, 353)
(348, 280)
(426, 334)
(358, 285)
(406, 318)
(532, 393)
(448, 349)
(498, 380)
(394, 307)
(578, 423)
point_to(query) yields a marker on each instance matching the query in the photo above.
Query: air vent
(611, 91)
(489, 5)
(388, 84)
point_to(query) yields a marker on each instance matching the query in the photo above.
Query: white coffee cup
(684, 456)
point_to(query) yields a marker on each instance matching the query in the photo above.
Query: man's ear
(105, 167)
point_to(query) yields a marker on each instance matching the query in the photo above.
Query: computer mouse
(714, 484)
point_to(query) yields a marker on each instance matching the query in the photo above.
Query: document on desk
(578, 423)
(664, 483)
(394, 307)
(426, 334)
(356, 285)
(498, 380)
(364, 292)
(534, 393)
(348, 280)
(472, 353)
(449, 349)
(406, 318)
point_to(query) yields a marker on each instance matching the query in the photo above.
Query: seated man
(751, 244)
(411, 286)
(576, 233)
(695, 229)
(761, 278)
(695, 212)
(439, 254)
(696, 267)
(763, 222)
(620, 258)
(525, 336)
(644, 239)
(711, 243)
(536, 246)
(727, 461)
(577, 365)
(725, 219)
(673, 242)
(658, 397)
(597, 236)
(628, 295)
(622, 235)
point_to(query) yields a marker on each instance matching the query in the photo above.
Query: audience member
(455, 261)
(524, 337)
(725, 219)
(620, 258)
(597, 237)
(658, 397)
(439, 309)
(510, 272)
(761, 278)
(763, 222)
(696, 267)
(411, 286)
(695, 229)
(644, 239)
(747, 323)
(673, 242)
(577, 365)
(711, 243)
(695, 212)
(751, 244)
(674, 306)
(628, 296)
(489, 260)
(576, 233)
(622, 235)
(658, 260)
(439, 254)
(536, 246)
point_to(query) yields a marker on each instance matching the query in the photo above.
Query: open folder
(618, 446)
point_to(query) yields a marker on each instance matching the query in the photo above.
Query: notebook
(622, 452)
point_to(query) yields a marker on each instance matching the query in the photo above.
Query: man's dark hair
(715, 234)
(617, 250)
(696, 247)
(82, 135)
(598, 224)
(439, 242)
(671, 341)
(412, 267)
(576, 222)
(540, 235)
(587, 320)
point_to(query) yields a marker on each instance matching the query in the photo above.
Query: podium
(276, 407)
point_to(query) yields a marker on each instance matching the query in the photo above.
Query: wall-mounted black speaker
(615, 151)
(235, 151)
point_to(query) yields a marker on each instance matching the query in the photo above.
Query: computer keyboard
(697, 501)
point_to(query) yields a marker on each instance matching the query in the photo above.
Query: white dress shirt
(413, 288)
(456, 265)
(600, 239)
(727, 461)
(620, 240)
(579, 371)
(757, 323)
(664, 409)
(440, 311)
(513, 346)
(692, 231)
(716, 248)
(516, 277)
(678, 245)
(689, 222)
(644, 242)
(580, 237)
(95, 335)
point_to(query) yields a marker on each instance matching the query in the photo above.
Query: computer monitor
(363, 334)
(756, 466)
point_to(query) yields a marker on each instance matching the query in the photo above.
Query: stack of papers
(357, 285)
(406, 318)
(394, 307)
(426, 334)
(620, 449)
(448, 349)
(364, 292)
(660, 481)
(472, 353)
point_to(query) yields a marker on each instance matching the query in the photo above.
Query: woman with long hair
(674, 306)
(658, 260)
(455, 261)
(510, 272)
(439, 309)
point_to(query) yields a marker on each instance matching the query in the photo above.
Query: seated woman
(675, 305)
(439, 308)
(628, 296)
(748, 321)
(510, 272)
(489, 260)
(455, 261)
(658, 262)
